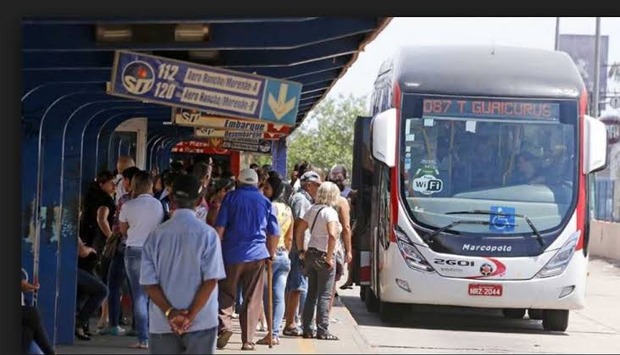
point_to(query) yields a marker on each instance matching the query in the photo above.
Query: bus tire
(363, 293)
(555, 319)
(513, 313)
(535, 314)
(390, 312)
(371, 301)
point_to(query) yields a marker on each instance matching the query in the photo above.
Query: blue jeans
(281, 268)
(199, 342)
(116, 277)
(133, 257)
(297, 281)
(91, 293)
(35, 349)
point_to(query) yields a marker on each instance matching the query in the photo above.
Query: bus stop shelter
(68, 117)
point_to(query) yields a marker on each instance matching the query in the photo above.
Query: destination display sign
(206, 132)
(501, 109)
(194, 118)
(177, 83)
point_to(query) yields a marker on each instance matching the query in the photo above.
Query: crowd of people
(194, 248)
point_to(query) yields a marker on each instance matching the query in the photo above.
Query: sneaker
(140, 345)
(112, 331)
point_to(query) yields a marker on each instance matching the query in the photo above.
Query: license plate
(485, 290)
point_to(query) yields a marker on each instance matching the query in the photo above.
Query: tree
(326, 136)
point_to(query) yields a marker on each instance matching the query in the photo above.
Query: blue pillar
(278, 156)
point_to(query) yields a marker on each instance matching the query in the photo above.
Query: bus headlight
(560, 260)
(410, 253)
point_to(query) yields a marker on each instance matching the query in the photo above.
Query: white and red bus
(473, 180)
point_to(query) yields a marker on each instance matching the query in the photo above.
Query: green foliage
(326, 136)
(262, 159)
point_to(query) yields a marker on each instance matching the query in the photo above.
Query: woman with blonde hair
(319, 260)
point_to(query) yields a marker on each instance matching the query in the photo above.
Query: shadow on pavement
(446, 318)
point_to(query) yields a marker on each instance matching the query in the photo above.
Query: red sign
(613, 128)
(211, 146)
(485, 290)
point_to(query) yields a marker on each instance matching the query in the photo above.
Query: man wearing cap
(248, 226)
(297, 283)
(183, 287)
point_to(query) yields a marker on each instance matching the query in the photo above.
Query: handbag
(111, 245)
(319, 263)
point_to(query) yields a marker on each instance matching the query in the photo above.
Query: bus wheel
(363, 293)
(372, 303)
(555, 319)
(536, 314)
(390, 312)
(513, 313)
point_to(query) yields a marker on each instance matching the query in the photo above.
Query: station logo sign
(138, 77)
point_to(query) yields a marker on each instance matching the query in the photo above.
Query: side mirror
(384, 137)
(595, 145)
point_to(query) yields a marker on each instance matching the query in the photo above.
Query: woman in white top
(320, 266)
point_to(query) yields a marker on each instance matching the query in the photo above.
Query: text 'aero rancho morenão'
(204, 88)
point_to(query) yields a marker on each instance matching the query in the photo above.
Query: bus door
(361, 184)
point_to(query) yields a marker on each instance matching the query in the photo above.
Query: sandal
(292, 332)
(247, 346)
(265, 341)
(308, 335)
(223, 338)
(327, 336)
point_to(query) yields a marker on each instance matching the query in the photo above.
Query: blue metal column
(50, 162)
(70, 202)
(279, 156)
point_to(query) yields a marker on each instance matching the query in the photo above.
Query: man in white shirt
(138, 218)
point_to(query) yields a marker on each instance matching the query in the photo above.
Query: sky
(533, 32)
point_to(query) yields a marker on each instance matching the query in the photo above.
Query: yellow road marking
(306, 346)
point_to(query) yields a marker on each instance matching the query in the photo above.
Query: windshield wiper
(430, 238)
(539, 237)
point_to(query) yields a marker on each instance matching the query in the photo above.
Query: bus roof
(487, 71)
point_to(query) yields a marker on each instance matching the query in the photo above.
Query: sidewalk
(351, 341)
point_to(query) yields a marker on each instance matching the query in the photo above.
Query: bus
(472, 182)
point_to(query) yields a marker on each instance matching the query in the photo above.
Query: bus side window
(384, 211)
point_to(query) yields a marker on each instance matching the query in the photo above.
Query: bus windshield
(488, 160)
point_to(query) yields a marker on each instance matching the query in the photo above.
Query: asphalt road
(431, 329)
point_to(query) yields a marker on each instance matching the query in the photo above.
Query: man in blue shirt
(181, 265)
(249, 229)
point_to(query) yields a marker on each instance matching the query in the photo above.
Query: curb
(359, 339)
